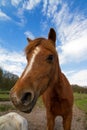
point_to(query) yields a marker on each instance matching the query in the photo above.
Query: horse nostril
(26, 99)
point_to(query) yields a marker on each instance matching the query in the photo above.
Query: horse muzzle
(26, 102)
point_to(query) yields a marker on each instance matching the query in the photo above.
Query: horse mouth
(28, 108)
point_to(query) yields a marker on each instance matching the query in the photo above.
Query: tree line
(79, 89)
(7, 80)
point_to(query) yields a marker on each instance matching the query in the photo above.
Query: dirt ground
(37, 119)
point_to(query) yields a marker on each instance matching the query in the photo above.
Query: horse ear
(28, 39)
(52, 35)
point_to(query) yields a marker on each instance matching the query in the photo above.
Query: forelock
(33, 44)
(48, 44)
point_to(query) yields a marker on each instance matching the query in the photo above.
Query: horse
(13, 121)
(43, 76)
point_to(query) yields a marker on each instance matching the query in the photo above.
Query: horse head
(39, 74)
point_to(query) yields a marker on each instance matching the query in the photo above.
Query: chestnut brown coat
(43, 76)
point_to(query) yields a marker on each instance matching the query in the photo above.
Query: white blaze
(36, 51)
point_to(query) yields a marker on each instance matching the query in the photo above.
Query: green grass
(81, 101)
(4, 107)
(4, 92)
(4, 97)
(40, 102)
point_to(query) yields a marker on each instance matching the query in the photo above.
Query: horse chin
(28, 110)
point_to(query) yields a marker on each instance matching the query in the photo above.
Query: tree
(1, 77)
(7, 80)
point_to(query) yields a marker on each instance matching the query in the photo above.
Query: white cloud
(45, 2)
(15, 2)
(79, 77)
(74, 51)
(13, 62)
(29, 34)
(44, 25)
(21, 23)
(3, 2)
(72, 33)
(50, 7)
(4, 16)
(30, 4)
(71, 30)
(68, 24)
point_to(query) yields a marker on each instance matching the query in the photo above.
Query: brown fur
(45, 78)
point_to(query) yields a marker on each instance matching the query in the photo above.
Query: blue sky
(33, 18)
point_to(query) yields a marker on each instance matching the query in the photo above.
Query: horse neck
(56, 81)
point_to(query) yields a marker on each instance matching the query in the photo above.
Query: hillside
(79, 89)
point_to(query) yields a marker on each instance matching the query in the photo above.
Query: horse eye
(50, 58)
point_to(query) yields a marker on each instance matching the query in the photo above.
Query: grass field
(6, 107)
(80, 101)
(4, 96)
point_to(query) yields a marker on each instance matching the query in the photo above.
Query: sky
(20, 19)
